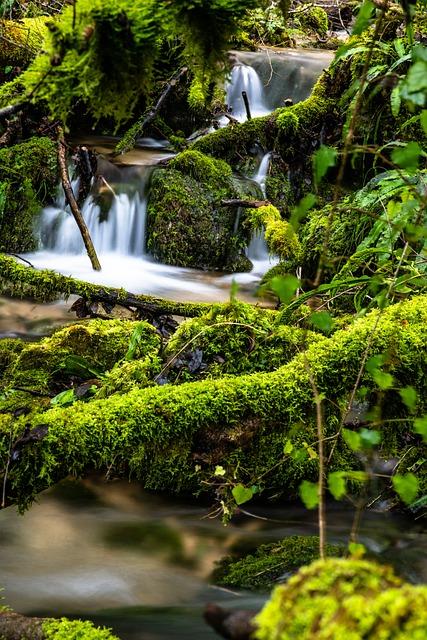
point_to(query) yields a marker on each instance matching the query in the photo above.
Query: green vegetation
(28, 179)
(270, 563)
(344, 598)
(65, 629)
(155, 434)
(187, 224)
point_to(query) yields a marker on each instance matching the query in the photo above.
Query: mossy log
(172, 437)
(45, 286)
(14, 626)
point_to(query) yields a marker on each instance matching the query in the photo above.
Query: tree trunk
(43, 285)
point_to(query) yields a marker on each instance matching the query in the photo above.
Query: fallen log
(75, 209)
(45, 286)
(246, 204)
(128, 142)
(14, 626)
(172, 437)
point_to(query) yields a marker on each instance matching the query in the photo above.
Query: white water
(119, 237)
(245, 78)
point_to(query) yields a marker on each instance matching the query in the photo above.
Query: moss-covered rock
(271, 563)
(344, 599)
(281, 239)
(10, 349)
(172, 437)
(187, 224)
(81, 352)
(28, 179)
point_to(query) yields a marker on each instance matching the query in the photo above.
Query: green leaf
(285, 287)
(337, 484)
(299, 455)
(383, 380)
(395, 101)
(64, 399)
(408, 156)
(406, 487)
(369, 437)
(309, 494)
(135, 340)
(288, 448)
(423, 120)
(323, 159)
(409, 397)
(322, 320)
(420, 427)
(300, 211)
(352, 439)
(363, 17)
(242, 494)
(79, 366)
(219, 471)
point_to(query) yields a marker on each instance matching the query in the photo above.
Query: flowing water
(119, 233)
(112, 553)
(141, 563)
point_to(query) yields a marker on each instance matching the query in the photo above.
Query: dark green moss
(187, 224)
(28, 179)
(271, 563)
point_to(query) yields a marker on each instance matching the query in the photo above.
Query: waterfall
(245, 78)
(121, 230)
(257, 250)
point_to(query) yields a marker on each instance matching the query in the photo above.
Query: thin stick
(65, 178)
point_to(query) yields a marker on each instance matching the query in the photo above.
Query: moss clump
(65, 629)
(172, 437)
(271, 563)
(80, 352)
(234, 339)
(187, 224)
(28, 179)
(344, 599)
(21, 40)
(287, 121)
(314, 19)
(126, 376)
(9, 352)
(280, 236)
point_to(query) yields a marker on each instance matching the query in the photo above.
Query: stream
(141, 563)
(113, 553)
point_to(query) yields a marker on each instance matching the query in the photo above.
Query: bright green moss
(9, 352)
(196, 96)
(81, 350)
(215, 174)
(172, 437)
(126, 376)
(234, 339)
(261, 217)
(270, 563)
(287, 121)
(28, 178)
(21, 40)
(349, 599)
(65, 629)
(282, 240)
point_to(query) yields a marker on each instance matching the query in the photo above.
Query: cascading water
(121, 231)
(118, 229)
(257, 251)
(245, 78)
